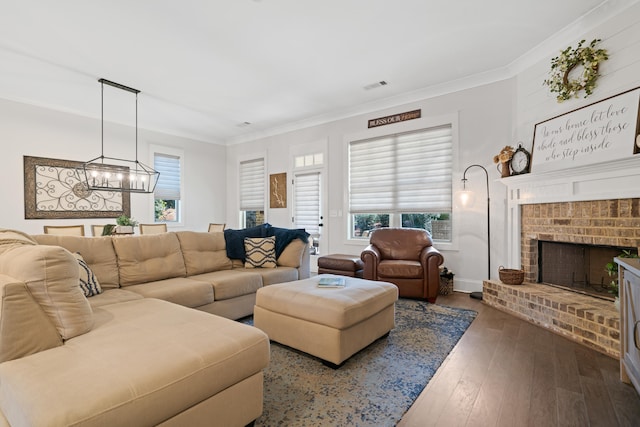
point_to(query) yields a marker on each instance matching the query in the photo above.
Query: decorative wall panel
(52, 190)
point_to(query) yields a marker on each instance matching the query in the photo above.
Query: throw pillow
(88, 281)
(260, 252)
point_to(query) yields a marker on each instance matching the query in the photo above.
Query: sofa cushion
(98, 253)
(10, 238)
(179, 290)
(260, 252)
(144, 361)
(291, 256)
(149, 258)
(273, 275)
(203, 252)
(231, 283)
(87, 281)
(51, 275)
(113, 296)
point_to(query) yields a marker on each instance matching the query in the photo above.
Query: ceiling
(204, 68)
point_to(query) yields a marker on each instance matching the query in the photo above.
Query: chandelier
(112, 174)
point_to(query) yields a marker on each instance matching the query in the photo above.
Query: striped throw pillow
(260, 252)
(88, 281)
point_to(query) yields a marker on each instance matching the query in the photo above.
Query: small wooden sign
(395, 118)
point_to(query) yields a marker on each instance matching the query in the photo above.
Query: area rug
(376, 386)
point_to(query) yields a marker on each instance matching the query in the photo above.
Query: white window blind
(168, 186)
(307, 202)
(402, 173)
(252, 185)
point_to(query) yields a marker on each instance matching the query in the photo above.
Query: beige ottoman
(329, 323)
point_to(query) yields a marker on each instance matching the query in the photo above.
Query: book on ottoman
(331, 282)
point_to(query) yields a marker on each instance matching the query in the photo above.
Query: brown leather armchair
(406, 258)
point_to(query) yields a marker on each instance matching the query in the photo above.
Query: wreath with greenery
(588, 57)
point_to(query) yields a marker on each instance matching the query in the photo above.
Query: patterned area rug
(376, 386)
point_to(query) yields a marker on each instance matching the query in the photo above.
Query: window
(252, 193)
(402, 180)
(167, 193)
(316, 159)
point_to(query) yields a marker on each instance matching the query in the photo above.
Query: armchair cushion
(400, 268)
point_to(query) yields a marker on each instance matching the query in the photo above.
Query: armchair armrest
(431, 259)
(371, 257)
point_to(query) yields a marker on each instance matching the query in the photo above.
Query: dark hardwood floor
(507, 372)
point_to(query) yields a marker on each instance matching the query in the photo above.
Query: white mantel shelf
(612, 180)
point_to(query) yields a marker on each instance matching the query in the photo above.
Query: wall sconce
(467, 198)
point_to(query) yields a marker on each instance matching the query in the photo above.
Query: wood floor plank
(515, 405)
(623, 398)
(599, 406)
(571, 408)
(566, 371)
(588, 363)
(543, 404)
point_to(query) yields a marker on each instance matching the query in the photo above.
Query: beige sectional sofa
(138, 353)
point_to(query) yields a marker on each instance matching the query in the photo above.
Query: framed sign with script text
(604, 131)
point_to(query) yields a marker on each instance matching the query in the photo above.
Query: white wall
(40, 132)
(484, 126)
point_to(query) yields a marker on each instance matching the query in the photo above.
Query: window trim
(402, 127)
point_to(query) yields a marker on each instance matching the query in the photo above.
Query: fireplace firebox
(577, 267)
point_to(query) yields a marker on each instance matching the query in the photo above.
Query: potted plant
(108, 229)
(612, 271)
(125, 224)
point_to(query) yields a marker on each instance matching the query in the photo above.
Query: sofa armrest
(24, 327)
(370, 256)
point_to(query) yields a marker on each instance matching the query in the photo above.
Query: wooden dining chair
(153, 228)
(67, 230)
(216, 227)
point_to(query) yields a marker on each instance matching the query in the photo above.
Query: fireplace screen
(576, 267)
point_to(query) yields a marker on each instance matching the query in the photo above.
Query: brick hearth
(590, 321)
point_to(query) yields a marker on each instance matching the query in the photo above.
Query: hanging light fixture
(113, 174)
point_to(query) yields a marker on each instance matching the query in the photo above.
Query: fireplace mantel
(612, 180)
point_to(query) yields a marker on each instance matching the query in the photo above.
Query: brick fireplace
(596, 204)
(592, 321)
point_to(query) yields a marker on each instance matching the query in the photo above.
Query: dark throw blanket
(235, 238)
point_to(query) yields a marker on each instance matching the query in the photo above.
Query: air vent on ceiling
(375, 85)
